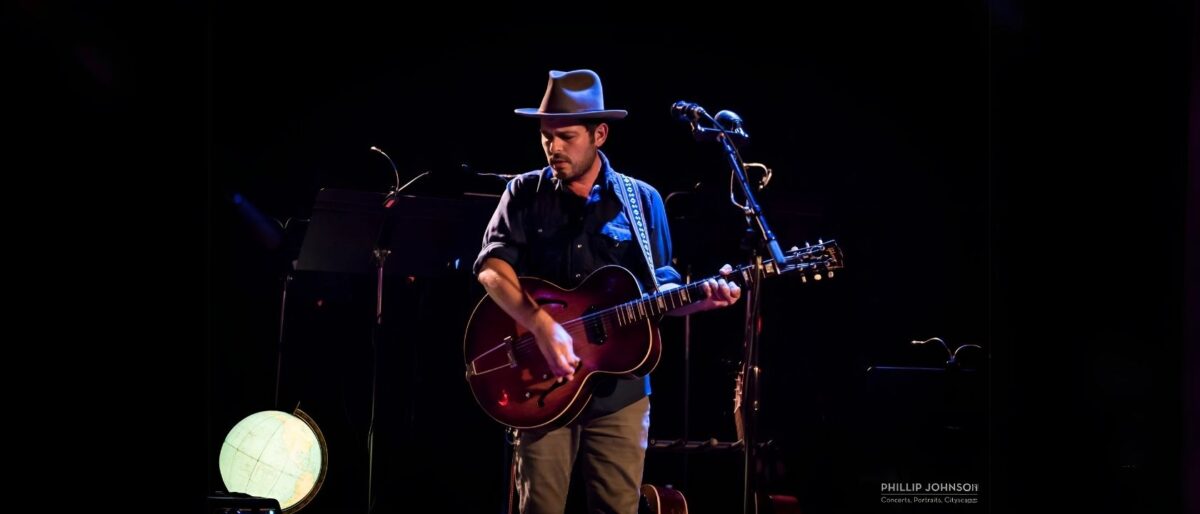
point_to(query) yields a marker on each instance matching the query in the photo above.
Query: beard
(573, 169)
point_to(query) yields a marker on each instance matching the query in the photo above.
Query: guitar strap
(634, 210)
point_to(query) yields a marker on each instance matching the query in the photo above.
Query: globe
(273, 454)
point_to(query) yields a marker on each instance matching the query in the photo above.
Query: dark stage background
(877, 134)
(996, 174)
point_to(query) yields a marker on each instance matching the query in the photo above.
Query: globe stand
(231, 503)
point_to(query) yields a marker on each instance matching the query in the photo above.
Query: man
(559, 224)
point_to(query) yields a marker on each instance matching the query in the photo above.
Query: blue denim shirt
(544, 230)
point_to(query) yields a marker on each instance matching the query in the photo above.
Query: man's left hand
(719, 292)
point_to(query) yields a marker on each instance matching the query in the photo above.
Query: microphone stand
(754, 214)
(381, 252)
(750, 372)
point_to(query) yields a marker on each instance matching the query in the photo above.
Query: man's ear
(600, 134)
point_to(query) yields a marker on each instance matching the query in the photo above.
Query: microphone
(727, 120)
(732, 123)
(688, 111)
(502, 176)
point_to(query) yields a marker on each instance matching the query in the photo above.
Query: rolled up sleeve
(504, 237)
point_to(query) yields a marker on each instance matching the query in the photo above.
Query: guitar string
(573, 326)
(528, 339)
(578, 326)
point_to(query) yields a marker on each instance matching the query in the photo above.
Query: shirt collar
(604, 180)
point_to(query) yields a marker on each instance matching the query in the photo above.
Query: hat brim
(608, 114)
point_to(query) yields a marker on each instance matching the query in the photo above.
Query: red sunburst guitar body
(614, 329)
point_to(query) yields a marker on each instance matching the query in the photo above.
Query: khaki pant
(611, 450)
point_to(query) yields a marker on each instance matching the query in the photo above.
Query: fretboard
(663, 302)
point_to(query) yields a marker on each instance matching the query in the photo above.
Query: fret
(667, 301)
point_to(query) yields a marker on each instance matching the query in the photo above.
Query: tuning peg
(829, 274)
(807, 244)
(817, 277)
(794, 248)
(820, 241)
(803, 279)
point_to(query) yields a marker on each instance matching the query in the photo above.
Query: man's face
(570, 148)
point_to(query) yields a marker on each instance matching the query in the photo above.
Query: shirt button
(579, 245)
(578, 275)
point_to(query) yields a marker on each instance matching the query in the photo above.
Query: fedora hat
(573, 94)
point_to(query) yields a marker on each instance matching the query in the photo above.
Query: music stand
(352, 232)
(925, 421)
(342, 232)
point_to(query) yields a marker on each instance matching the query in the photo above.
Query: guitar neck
(662, 302)
(824, 257)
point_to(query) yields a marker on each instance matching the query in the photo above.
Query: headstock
(817, 261)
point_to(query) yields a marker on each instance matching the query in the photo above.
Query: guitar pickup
(594, 326)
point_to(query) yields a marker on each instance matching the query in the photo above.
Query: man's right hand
(500, 280)
(556, 346)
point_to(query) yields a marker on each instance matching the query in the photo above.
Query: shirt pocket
(617, 235)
